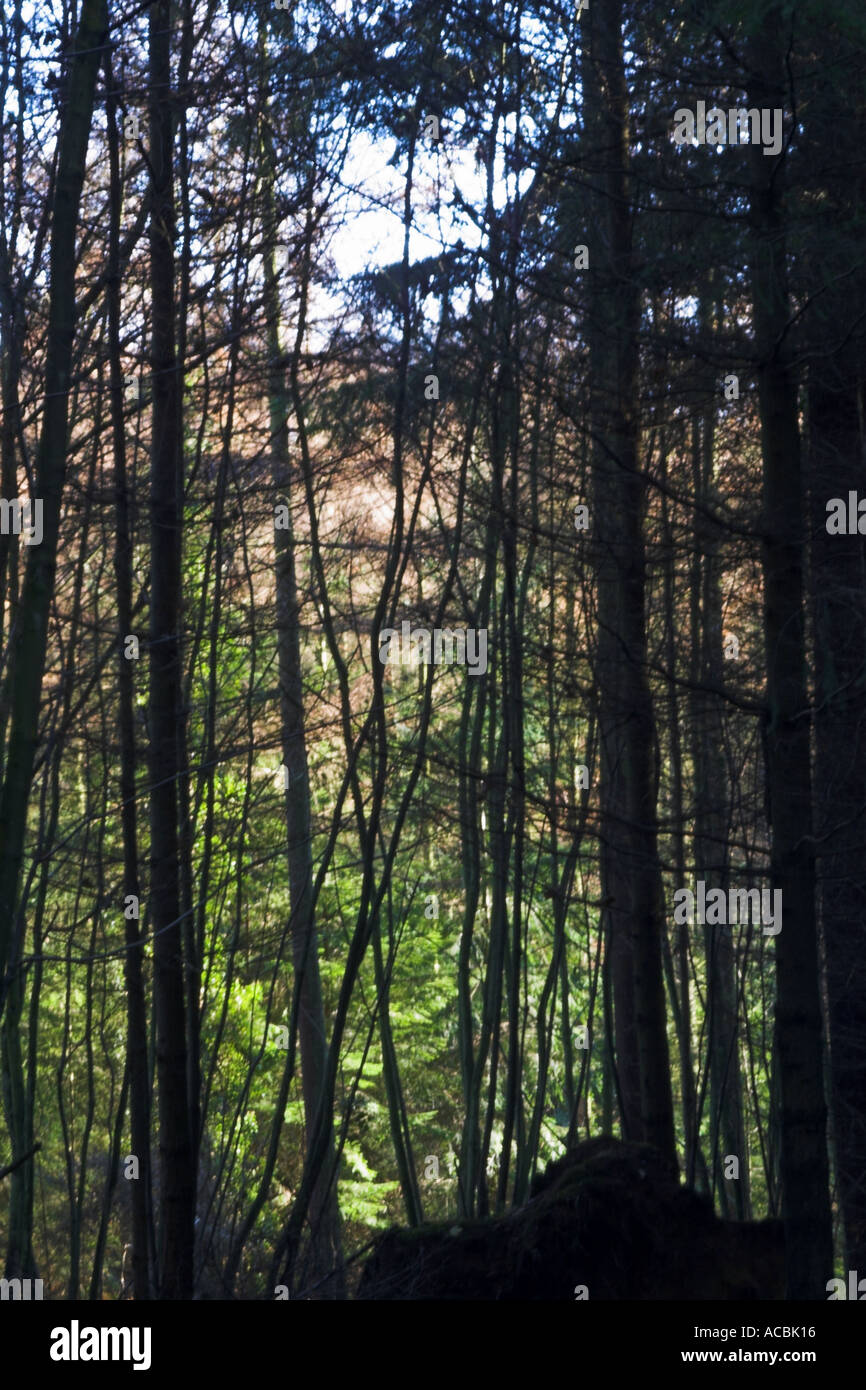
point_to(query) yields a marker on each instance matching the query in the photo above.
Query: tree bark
(326, 1255)
(803, 1117)
(711, 823)
(133, 958)
(836, 445)
(177, 1175)
(30, 636)
(631, 873)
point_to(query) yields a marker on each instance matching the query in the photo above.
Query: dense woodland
(320, 319)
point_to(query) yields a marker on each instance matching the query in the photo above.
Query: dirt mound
(608, 1216)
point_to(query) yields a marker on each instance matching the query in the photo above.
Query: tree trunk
(837, 466)
(803, 1118)
(325, 1255)
(177, 1181)
(30, 636)
(631, 873)
(838, 583)
(133, 956)
(711, 824)
(17, 1104)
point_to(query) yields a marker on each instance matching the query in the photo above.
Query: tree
(631, 877)
(165, 710)
(803, 1113)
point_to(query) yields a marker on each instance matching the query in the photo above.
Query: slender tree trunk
(836, 404)
(193, 944)
(837, 466)
(711, 825)
(12, 319)
(19, 1119)
(804, 1165)
(326, 1256)
(133, 962)
(679, 968)
(177, 1174)
(30, 636)
(397, 1115)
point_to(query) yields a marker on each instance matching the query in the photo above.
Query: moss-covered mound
(608, 1216)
